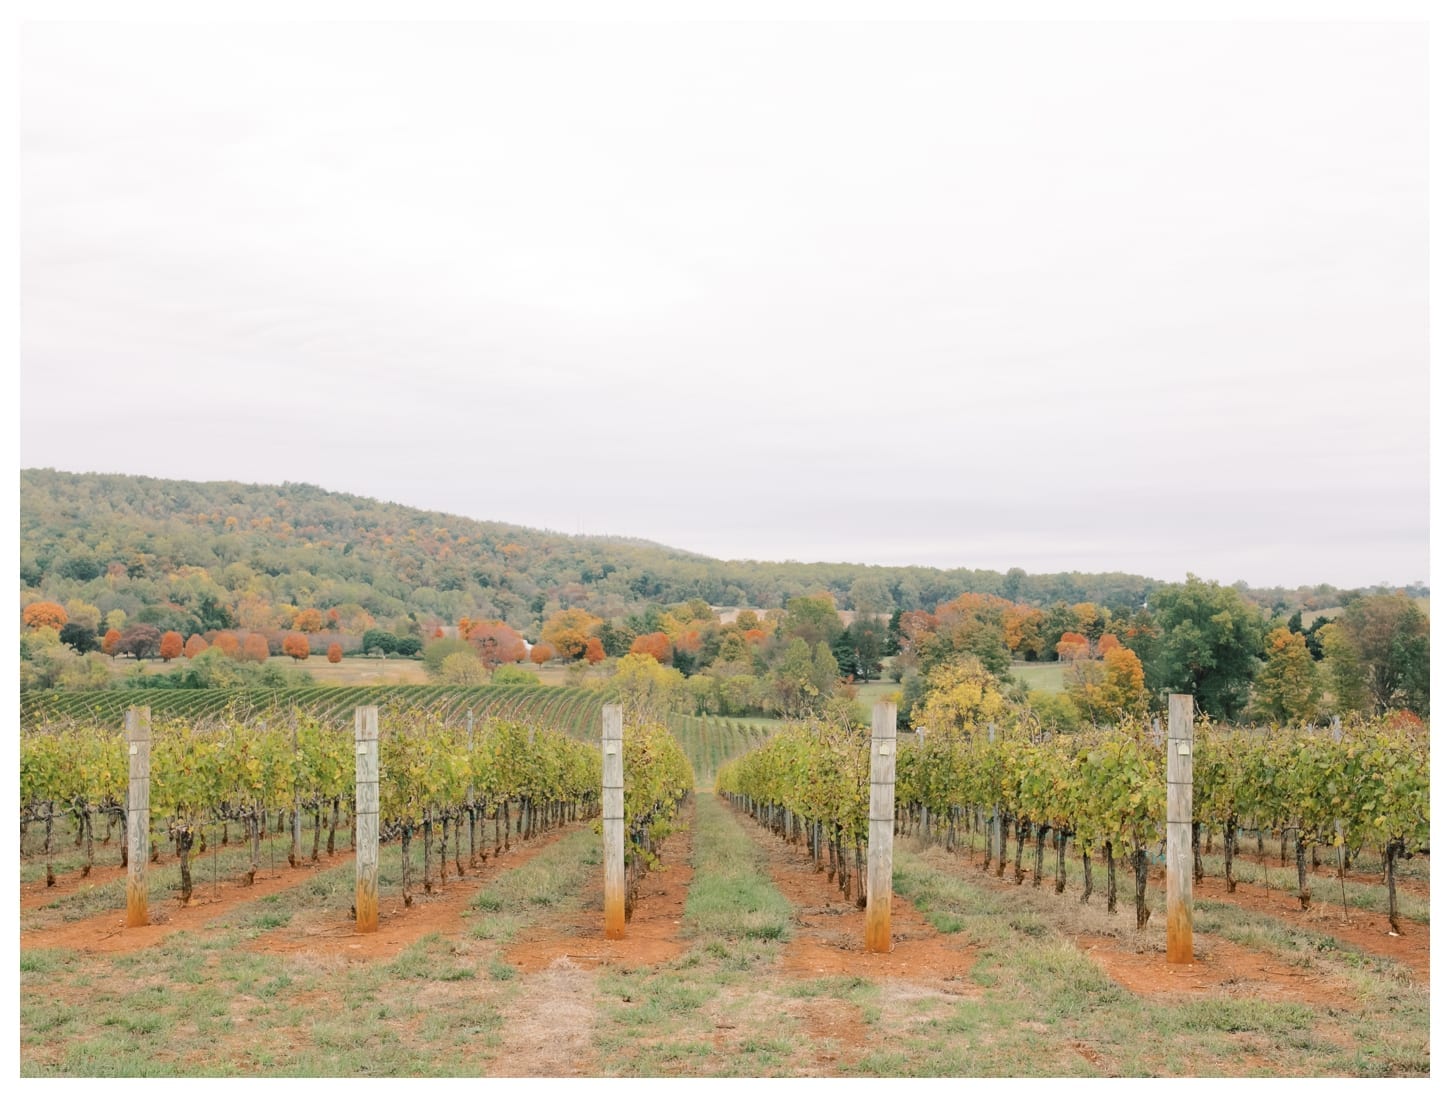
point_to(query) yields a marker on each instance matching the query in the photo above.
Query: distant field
(1040, 676)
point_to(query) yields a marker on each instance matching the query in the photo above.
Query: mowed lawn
(1040, 676)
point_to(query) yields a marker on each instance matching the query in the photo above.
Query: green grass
(1041, 676)
(730, 895)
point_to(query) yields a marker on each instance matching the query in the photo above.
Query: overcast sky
(1150, 298)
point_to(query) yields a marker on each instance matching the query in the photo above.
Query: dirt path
(548, 1029)
(400, 926)
(108, 933)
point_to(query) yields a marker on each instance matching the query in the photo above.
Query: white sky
(1150, 298)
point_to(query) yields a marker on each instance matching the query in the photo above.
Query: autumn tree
(227, 644)
(111, 642)
(308, 621)
(334, 652)
(1106, 690)
(541, 653)
(1287, 686)
(254, 648)
(171, 645)
(195, 646)
(568, 632)
(594, 651)
(295, 645)
(652, 644)
(139, 641)
(1073, 646)
(960, 695)
(44, 615)
(496, 644)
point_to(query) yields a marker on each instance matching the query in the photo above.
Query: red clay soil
(34, 893)
(828, 938)
(108, 933)
(1365, 930)
(652, 935)
(400, 926)
(1219, 968)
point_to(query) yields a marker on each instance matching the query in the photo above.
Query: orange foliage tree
(195, 646)
(568, 632)
(334, 652)
(1107, 642)
(171, 645)
(109, 642)
(1073, 646)
(228, 643)
(295, 645)
(541, 653)
(652, 644)
(308, 621)
(254, 648)
(40, 615)
(594, 651)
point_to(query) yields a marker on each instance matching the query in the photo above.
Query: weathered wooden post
(882, 816)
(138, 813)
(1180, 829)
(472, 808)
(365, 720)
(613, 805)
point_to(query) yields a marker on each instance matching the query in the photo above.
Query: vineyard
(575, 712)
(736, 956)
(1365, 789)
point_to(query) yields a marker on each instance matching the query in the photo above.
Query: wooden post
(882, 824)
(138, 813)
(613, 747)
(1180, 829)
(365, 719)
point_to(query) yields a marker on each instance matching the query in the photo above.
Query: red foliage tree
(295, 645)
(254, 648)
(334, 652)
(495, 643)
(541, 653)
(195, 646)
(171, 645)
(110, 641)
(228, 643)
(1107, 642)
(39, 615)
(594, 650)
(652, 644)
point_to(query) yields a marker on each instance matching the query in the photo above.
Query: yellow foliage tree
(960, 696)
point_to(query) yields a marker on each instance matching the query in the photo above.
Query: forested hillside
(195, 556)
